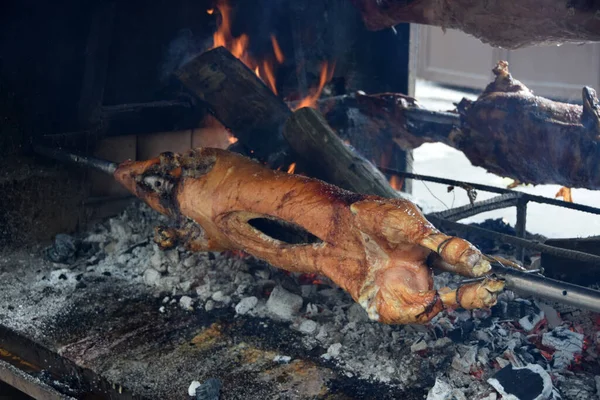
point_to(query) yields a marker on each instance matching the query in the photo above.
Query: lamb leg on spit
(379, 250)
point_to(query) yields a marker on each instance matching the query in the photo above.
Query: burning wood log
(240, 101)
(506, 24)
(310, 136)
(379, 250)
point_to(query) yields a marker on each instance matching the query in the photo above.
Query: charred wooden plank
(506, 24)
(310, 136)
(240, 101)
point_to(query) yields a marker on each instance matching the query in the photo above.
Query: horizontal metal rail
(493, 189)
(495, 203)
(516, 241)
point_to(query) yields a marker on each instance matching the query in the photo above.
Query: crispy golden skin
(379, 250)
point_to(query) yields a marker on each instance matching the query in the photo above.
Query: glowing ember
(232, 139)
(292, 168)
(326, 75)
(396, 182)
(309, 279)
(210, 11)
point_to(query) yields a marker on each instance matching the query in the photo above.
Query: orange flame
(292, 168)
(565, 193)
(326, 75)
(269, 77)
(238, 46)
(396, 182)
(223, 37)
(277, 50)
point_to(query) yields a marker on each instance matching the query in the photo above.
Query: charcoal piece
(462, 332)
(64, 249)
(209, 390)
(516, 310)
(487, 245)
(530, 382)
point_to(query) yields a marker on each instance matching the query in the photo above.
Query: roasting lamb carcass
(379, 250)
(511, 132)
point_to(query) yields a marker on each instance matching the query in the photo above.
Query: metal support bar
(521, 227)
(493, 189)
(29, 385)
(137, 107)
(495, 203)
(516, 241)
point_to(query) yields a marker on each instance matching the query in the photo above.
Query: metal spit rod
(64, 156)
(549, 289)
(493, 189)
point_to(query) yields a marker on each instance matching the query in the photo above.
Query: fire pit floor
(120, 316)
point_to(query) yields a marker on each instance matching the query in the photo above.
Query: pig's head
(154, 181)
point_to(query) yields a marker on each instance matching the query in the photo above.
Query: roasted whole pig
(379, 250)
(511, 132)
(504, 23)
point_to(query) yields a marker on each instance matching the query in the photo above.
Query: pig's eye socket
(157, 183)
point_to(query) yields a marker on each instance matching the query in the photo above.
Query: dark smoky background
(68, 69)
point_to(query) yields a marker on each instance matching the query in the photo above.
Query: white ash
(529, 322)
(283, 304)
(246, 304)
(219, 297)
(440, 391)
(186, 303)
(333, 351)
(419, 345)
(577, 387)
(192, 389)
(462, 348)
(308, 327)
(465, 359)
(552, 316)
(567, 344)
(282, 359)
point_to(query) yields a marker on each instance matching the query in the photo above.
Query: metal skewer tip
(64, 156)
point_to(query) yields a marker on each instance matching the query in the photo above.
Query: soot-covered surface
(151, 322)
